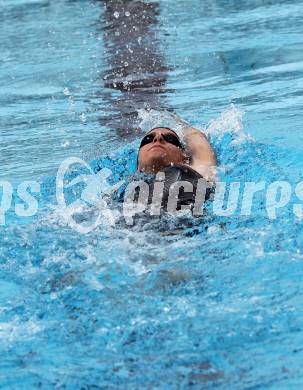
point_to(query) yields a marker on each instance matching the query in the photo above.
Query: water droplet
(116, 14)
(65, 144)
(66, 91)
(127, 13)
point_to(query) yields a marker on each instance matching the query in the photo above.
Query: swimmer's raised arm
(203, 158)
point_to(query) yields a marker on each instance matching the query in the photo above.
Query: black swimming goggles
(168, 137)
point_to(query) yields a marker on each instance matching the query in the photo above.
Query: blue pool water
(129, 307)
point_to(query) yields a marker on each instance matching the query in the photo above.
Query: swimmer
(184, 161)
(161, 147)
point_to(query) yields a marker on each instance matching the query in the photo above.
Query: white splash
(156, 118)
(229, 121)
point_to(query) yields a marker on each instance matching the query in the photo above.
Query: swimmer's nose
(158, 137)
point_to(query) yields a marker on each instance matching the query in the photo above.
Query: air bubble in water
(127, 13)
(116, 14)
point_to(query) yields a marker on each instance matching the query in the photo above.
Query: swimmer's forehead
(163, 128)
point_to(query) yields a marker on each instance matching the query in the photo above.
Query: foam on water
(153, 298)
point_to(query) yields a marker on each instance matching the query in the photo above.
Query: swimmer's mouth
(157, 146)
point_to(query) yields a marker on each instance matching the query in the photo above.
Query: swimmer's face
(159, 153)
